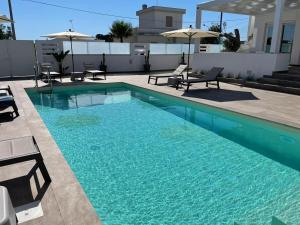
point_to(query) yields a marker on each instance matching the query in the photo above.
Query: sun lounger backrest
(180, 70)
(88, 66)
(45, 67)
(213, 73)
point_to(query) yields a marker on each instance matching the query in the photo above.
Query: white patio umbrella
(70, 35)
(190, 33)
(4, 19)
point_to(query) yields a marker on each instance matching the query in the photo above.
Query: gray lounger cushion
(21, 150)
(6, 98)
(180, 69)
(3, 93)
(17, 147)
(210, 76)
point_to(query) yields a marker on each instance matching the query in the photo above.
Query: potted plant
(59, 57)
(103, 66)
(147, 65)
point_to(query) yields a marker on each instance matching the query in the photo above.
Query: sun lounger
(7, 99)
(47, 72)
(22, 150)
(89, 68)
(177, 73)
(211, 76)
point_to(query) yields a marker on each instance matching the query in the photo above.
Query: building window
(288, 31)
(269, 33)
(169, 21)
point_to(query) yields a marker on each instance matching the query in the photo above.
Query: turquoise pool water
(148, 158)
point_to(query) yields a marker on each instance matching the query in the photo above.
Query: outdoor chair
(89, 68)
(21, 150)
(47, 72)
(7, 99)
(211, 76)
(178, 73)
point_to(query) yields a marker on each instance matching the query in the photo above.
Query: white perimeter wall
(115, 62)
(243, 64)
(17, 58)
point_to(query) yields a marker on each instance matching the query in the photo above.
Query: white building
(157, 19)
(274, 37)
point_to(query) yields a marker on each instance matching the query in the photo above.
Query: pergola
(252, 8)
(248, 7)
(4, 19)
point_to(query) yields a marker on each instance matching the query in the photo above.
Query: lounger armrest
(196, 75)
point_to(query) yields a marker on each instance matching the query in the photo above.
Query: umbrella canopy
(190, 33)
(70, 35)
(4, 19)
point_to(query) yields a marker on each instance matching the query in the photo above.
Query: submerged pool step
(275, 221)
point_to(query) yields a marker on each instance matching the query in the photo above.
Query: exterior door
(287, 38)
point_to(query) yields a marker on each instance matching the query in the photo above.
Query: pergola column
(198, 26)
(295, 56)
(276, 36)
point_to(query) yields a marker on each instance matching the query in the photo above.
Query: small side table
(173, 81)
(76, 75)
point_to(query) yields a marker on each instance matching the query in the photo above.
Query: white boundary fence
(17, 58)
(120, 57)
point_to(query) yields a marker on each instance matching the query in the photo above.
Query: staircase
(287, 81)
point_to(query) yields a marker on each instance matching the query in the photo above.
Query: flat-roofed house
(273, 37)
(155, 20)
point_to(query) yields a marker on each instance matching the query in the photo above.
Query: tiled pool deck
(63, 200)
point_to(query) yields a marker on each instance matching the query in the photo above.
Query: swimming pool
(147, 158)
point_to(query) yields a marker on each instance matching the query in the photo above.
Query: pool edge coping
(44, 138)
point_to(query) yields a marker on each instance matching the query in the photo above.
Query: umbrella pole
(36, 67)
(72, 54)
(188, 67)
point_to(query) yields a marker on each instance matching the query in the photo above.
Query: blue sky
(33, 20)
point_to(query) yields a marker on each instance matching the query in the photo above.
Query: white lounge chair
(177, 73)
